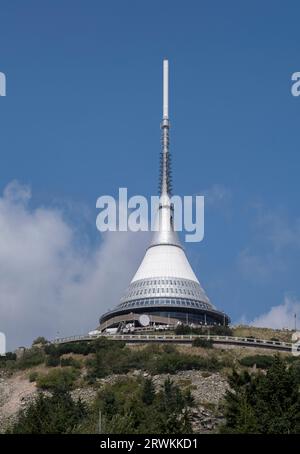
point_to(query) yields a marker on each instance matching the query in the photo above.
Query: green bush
(58, 379)
(128, 406)
(174, 362)
(183, 329)
(9, 356)
(169, 348)
(134, 407)
(31, 357)
(295, 369)
(81, 348)
(104, 343)
(261, 361)
(148, 391)
(55, 414)
(218, 330)
(40, 340)
(200, 342)
(153, 358)
(72, 362)
(111, 357)
(33, 376)
(8, 361)
(263, 403)
(52, 361)
(51, 350)
(221, 330)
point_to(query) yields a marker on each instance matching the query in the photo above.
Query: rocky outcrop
(207, 389)
(86, 395)
(15, 392)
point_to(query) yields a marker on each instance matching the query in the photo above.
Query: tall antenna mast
(165, 89)
(164, 233)
(165, 161)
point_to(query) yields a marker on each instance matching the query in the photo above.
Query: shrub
(295, 369)
(170, 364)
(72, 362)
(200, 342)
(31, 357)
(52, 361)
(54, 414)
(81, 348)
(263, 403)
(40, 340)
(148, 391)
(183, 329)
(153, 358)
(10, 356)
(8, 361)
(169, 348)
(51, 350)
(58, 379)
(133, 406)
(107, 344)
(221, 330)
(33, 376)
(261, 361)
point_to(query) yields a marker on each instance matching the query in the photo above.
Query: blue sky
(81, 119)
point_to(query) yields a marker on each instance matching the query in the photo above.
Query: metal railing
(184, 338)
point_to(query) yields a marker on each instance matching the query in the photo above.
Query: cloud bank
(281, 316)
(278, 317)
(50, 284)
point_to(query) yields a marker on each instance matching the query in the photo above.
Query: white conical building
(165, 289)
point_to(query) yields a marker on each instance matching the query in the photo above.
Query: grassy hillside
(187, 385)
(262, 333)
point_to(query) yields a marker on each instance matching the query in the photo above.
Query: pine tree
(148, 391)
(54, 414)
(264, 403)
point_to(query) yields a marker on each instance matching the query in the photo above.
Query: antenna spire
(166, 89)
(165, 159)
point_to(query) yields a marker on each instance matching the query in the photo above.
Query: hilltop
(91, 372)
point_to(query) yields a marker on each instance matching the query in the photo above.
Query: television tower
(165, 289)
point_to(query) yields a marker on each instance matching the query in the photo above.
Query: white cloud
(217, 195)
(278, 317)
(17, 192)
(49, 281)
